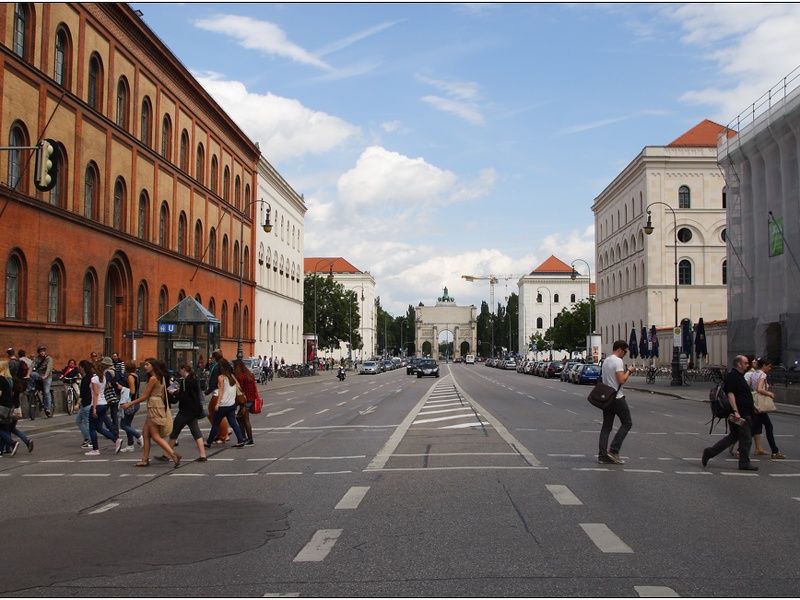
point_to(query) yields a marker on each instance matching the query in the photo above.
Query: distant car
(370, 367)
(587, 374)
(470, 359)
(553, 369)
(387, 365)
(411, 366)
(573, 372)
(565, 371)
(510, 364)
(428, 368)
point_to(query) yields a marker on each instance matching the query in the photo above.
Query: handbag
(602, 396)
(763, 403)
(6, 414)
(110, 394)
(258, 404)
(240, 397)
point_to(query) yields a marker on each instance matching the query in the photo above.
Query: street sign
(182, 344)
(135, 334)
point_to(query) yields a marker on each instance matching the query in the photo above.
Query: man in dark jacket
(741, 399)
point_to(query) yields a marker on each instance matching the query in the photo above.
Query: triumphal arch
(460, 321)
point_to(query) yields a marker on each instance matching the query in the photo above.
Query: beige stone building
(683, 188)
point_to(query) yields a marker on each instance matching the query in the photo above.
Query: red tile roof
(552, 265)
(323, 264)
(702, 135)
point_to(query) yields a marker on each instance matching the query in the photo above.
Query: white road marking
(234, 474)
(642, 471)
(605, 539)
(90, 474)
(277, 595)
(43, 474)
(103, 509)
(285, 473)
(784, 474)
(280, 412)
(465, 425)
(446, 410)
(324, 410)
(319, 547)
(260, 459)
(743, 474)
(325, 457)
(693, 473)
(352, 498)
(438, 419)
(332, 472)
(563, 495)
(655, 591)
(295, 423)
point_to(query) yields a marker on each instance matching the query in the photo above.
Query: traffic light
(48, 158)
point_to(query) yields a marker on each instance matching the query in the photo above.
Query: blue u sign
(166, 328)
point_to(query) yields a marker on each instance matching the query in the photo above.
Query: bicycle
(35, 400)
(651, 375)
(71, 398)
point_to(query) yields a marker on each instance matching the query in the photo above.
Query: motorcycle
(341, 375)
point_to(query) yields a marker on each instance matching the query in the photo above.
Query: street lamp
(267, 227)
(550, 297)
(330, 278)
(362, 323)
(402, 347)
(648, 229)
(574, 276)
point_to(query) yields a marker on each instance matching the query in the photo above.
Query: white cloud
(261, 35)
(283, 126)
(461, 100)
(465, 110)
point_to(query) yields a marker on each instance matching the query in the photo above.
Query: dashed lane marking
(319, 547)
(105, 508)
(352, 498)
(563, 495)
(655, 591)
(605, 539)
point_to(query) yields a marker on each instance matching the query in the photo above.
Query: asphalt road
(479, 483)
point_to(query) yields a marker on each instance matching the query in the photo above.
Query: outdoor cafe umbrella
(686, 337)
(654, 342)
(633, 346)
(700, 346)
(644, 351)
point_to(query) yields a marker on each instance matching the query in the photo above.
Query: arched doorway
(446, 347)
(426, 349)
(464, 348)
(116, 301)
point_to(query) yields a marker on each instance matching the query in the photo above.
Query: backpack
(720, 406)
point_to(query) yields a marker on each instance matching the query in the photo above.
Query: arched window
(141, 304)
(224, 265)
(143, 216)
(555, 298)
(198, 239)
(123, 103)
(539, 323)
(89, 300)
(54, 289)
(724, 272)
(91, 191)
(94, 96)
(684, 235)
(62, 56)
(684, 197)
(237, 192)
(17, 138)
(14, 288)
(119, 203)
(247, 196)
(163, 301)
(212, 247)
(166, 138)
(245, 322)
(212, 306)
(572, 298)
(181, 296)
(214, 174)
(247, 263)
(236, 320)
(236, 265)
(200, 167)
(684, 273)
(182, 227)
(163, 226)
(224, 319)
(184, 152)
(226, 184)
(146, 124)
(23, 24)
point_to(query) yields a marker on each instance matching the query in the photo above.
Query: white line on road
(285, 473)
(465, 425)
(324, 410)
(90, 474)
(642, 471)
(332, 472)
(693, 473)
(103, 509)
(784, 475)
(325, 457)
(43, 474)
(295, 423)
(438, 419)
(605, 539)
(655, 591)
(261, 459)
(320, 545)
(352, 498)
(234, 474)
(563, 495)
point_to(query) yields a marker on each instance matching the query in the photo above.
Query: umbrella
(700, 346)
(633, 346)
(686, 337)
(643, 349)
(654, 342)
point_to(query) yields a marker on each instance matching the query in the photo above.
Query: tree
(336, 309)
(571, 327)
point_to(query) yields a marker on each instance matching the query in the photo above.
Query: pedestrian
(213, 390)
(614, 374)
(130, 390)
(741, 399)
(42, 370)
(111, 393)
(248, 384)
(97, 416)
(226, 386)
(85, 395)
(158, 414)
(190, 408)
(761, 420)
(9, 400)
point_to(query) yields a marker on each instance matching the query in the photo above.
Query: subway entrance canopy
(186, 332)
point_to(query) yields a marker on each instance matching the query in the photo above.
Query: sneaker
(30, 446)
(14, 448)
(127, 449)
(86, 444)
(604, 460)
(117, 445)
(248, 443)
(92, 453)
(706, 456)
(748, 467)
(47, 412)
(615, 458)
(140, 441)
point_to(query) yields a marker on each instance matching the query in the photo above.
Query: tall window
(143, 215)
(53, 294)
(684, 273)
(122, 103)
(141, 303)
(224, 265)
(55, 193)
(684, 197)
(237, 192)
(145, 135)
(539, 323)
(214, 174)
(16, 138)
(182, 226)
(90, 189)
(119, 203)
(163, 226)
(200, 167)
(21, 13)
(212, 247)
(198, 239)
(162, 301)
(88, 300)
(226, 184)
(184, 152)
(61, 58)
(224, 319)
(95, 92)
(724, 272)
(166, 141)
(13, 273)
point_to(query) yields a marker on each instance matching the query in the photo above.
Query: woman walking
(126, 393)
(85, 395)
(190, 407)
(759, 385)
(98, 413)
(227, 403)
(158, 414)
(9, 399)
(248, 384)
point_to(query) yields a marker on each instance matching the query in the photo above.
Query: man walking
(614, 374)
(741, 400)
(42, 369)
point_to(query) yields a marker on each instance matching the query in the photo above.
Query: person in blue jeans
(98, 414)
(226, 388)
(42, 369)
(127, 417)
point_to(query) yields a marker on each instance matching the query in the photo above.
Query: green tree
(571, 327)
(335, 309)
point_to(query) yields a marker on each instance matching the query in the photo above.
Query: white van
(470, 359)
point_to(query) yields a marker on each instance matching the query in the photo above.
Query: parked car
(387, 365)
(553, 368)
(411, 366)
(573, 372)
(564, 376)
(588, 374)
(510, 364)
(428, 367)
(370, 367)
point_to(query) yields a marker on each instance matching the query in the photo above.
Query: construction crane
(492, 279)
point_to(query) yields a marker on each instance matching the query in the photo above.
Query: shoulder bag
(763, 403)
(602, 396)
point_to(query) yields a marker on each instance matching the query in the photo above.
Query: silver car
(370, 367)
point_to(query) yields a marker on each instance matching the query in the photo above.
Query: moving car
(427, 367)
(411, 367)
(370, 367)
(470, 359)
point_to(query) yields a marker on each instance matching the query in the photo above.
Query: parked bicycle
(71, 397)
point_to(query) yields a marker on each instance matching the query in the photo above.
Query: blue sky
(436, 140)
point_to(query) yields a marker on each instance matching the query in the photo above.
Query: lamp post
(330, 278)
(267, 226)
(362, 323)
(648, 229)
(574, 276)
(402, 346)
(550, 325)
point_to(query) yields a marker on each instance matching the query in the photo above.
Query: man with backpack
(741, 401)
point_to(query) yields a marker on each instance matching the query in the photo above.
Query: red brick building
(152, 188)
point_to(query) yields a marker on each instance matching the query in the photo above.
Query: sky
(432, 141)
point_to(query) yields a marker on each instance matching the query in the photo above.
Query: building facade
(460, 321)
(636, 272)
(152, 186)
(279, 277)
(761, 164)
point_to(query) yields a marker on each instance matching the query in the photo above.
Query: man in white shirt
(614, 374)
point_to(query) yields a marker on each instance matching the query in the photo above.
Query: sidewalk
(62, 420)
